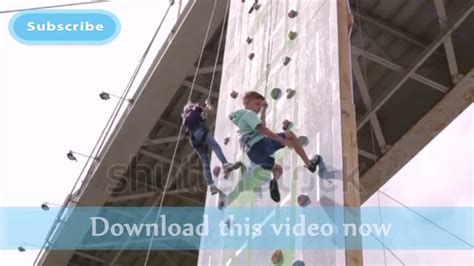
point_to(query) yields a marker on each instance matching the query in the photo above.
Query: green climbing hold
(276, 93)
(303, 140)
(292, 35)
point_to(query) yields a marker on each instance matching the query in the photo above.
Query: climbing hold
(277, 256)
(226, 140)
(290, 93)
(292, 35)
(287, 125)
(276, 93)
(216, 171)
(234, 94)
(255, 7)
(251, 56)
(292, 13)
(298, 263)
(249, 40)
(304, 200)
(287, 60)
(303, 140)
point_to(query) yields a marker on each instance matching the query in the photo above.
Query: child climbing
(201, 139)
(260, 143)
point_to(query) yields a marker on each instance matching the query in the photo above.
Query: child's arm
(207, 107)
(263, 115)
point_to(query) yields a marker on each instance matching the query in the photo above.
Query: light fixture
(23, 249)
(45, 205)
(106, 96)
(70, 155)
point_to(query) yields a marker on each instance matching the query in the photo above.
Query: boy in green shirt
(260, 143)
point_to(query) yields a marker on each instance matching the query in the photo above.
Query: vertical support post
(349, 134)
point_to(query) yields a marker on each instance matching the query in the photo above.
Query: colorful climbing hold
(251, 56)
(234, 94)
(292, 35)
(303, 141)
(249, 40)
(290, 93)
(226, 140)
(292, 13)
(287, 125)
(298, 263)
(277, 256)
(304, 200)
(287, 60)
(276, 93)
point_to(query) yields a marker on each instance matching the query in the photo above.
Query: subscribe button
(65, 27)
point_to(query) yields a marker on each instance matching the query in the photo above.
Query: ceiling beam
(393, 66)
(388, 28)
(175, 193)
(364, 92)
(448, 43)
(188, 84)
(425, 130)
(206, 70)
(368, 155)
(90, 257)
(163, 140)
(418, 62)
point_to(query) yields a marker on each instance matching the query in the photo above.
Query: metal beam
(364, 92)
(422, 58)
(391, 65)
(90, 257)
(448, 43)
(168, 123)
(426, 129)
(373, 42)
(207, 70)
(175, 193)
(201, 89)
(163, 140)
(388, 28)
(368, 155)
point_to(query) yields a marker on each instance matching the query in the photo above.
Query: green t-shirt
(247, 122)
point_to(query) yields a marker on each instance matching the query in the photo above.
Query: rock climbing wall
(298, 40)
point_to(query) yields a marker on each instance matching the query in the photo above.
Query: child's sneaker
(213, 189)
(274, 191)
(229, 167)
(314, 163)
(223, 201)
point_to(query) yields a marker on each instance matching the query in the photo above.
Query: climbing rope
(182, 124)
(218, 51)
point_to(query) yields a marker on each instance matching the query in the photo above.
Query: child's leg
(204, 157)
(215, 147)
(277, 171)
(291, 137)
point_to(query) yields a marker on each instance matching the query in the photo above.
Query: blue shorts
(262, 152)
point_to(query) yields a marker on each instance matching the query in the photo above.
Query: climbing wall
(288, 51)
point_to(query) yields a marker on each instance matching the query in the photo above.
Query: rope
(47, 7)
(218, 50)
(181, 130)
(101, 140)
(202, 50)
